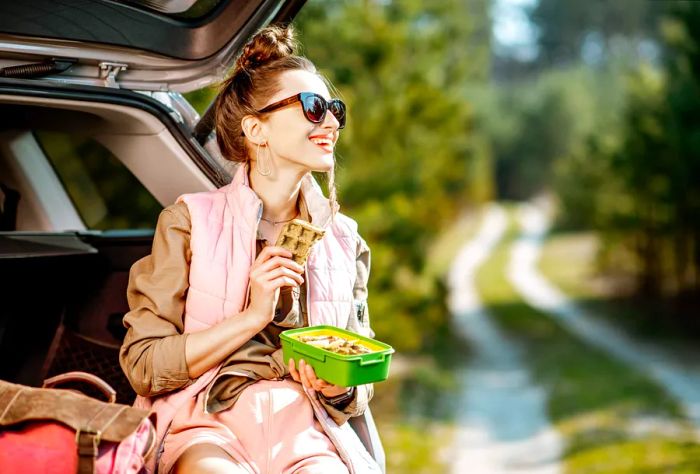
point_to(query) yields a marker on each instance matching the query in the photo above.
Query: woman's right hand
(273, 269)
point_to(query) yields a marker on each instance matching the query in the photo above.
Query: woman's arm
(156, 355)
(206, 349)
(153, 352)
(273, 269)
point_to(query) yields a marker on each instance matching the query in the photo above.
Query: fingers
(276, 279)
(273, 269)
(293, 371)
(307, 377)
(307, 372)
(301, 374)
(279, 261)
(276, 267)
(273, 285)
(270, 252)
(284, 272)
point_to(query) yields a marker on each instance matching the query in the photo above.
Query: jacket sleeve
(359, 322)
(153, 352)
(355, 407)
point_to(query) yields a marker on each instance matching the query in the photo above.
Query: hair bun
(269, 44)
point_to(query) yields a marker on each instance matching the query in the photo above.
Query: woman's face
(294, 142)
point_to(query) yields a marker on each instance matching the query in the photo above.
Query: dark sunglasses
(314, 107)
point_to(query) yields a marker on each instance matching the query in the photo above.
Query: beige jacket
(153, 353)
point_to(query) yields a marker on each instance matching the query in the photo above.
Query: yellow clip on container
(338, 369)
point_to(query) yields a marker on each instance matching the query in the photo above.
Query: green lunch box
(342, 370)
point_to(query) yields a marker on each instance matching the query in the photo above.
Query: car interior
(69, 245)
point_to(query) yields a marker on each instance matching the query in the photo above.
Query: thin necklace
(279, 222)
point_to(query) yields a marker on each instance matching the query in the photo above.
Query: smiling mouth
(324, 143)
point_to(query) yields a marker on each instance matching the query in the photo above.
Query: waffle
(298, 236)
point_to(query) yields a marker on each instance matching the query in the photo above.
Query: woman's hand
(273, 269)
(306, 375)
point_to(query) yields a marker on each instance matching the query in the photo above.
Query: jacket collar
(244, 199)
(318, 206)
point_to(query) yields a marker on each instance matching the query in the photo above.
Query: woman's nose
(330, 121)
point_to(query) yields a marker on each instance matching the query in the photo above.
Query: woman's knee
(206, 459)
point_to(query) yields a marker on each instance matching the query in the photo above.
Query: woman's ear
(253, 129)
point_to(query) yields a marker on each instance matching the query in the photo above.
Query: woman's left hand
(306, 375)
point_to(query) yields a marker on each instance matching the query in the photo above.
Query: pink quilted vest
(223, 234)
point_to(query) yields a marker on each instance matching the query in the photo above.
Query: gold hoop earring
(263, 170)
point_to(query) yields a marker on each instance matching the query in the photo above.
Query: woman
(208, 305)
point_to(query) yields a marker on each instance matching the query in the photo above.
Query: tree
(566, 27)
(645, 175)
(409, 158)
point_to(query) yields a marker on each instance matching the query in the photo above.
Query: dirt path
(679, 378)
(502, 425)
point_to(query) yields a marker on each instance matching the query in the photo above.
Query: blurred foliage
(646, 170)
(201, 99)
(568, 29)
(534, 114)
(435, 127)
(410, 157)
(531, 124)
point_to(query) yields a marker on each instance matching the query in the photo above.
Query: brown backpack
(98, 427)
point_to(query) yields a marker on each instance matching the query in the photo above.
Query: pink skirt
(270, 429)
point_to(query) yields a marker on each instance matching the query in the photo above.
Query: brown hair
(270, 52)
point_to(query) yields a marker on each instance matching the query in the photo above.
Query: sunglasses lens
(337, 108)
(314, 108)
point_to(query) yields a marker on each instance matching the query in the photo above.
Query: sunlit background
(527, 174)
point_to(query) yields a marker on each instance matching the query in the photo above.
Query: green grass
(443, 251)
(592, 397)
(568, 260)
(419, 449)
(654, 455)
(414, 409)
(413, 415)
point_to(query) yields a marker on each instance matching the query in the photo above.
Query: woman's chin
(325, 163)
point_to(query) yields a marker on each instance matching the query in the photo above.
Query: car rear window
(105, 193)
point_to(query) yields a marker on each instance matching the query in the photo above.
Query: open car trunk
(82, 181)
(64, 304)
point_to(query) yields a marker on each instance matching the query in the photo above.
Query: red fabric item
(43, 447)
